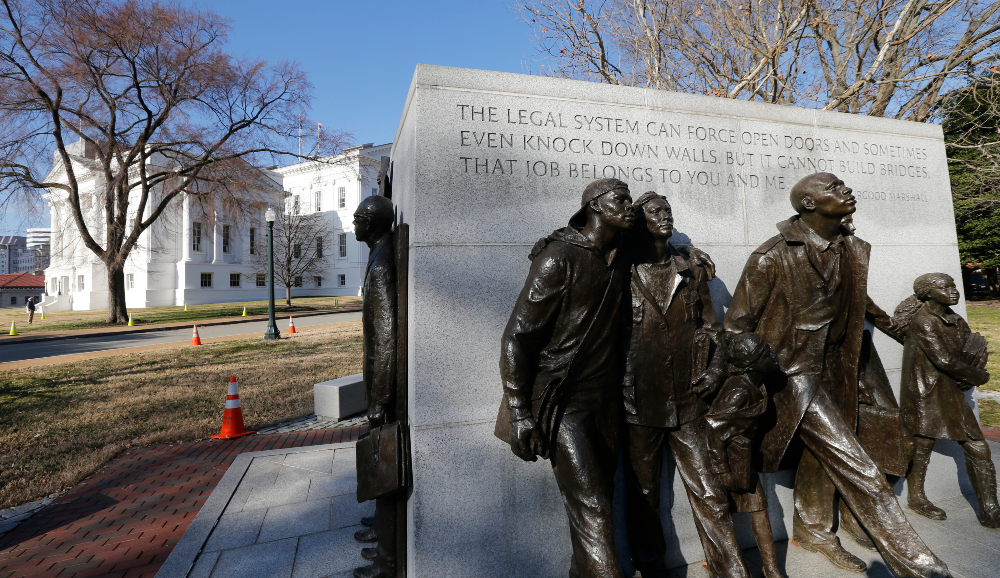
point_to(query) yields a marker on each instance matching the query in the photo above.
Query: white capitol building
(190, 256)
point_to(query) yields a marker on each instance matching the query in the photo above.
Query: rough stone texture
(340, 398)
(478, 190)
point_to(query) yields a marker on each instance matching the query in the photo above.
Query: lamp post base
(272, 332)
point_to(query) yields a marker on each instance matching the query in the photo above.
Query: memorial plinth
(486, 163)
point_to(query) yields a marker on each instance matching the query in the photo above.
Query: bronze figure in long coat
(805, 292)
(373, 225)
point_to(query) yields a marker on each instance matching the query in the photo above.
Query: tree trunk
(288, 295)
(117, 312)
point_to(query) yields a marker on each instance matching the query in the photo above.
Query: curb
(169, 327)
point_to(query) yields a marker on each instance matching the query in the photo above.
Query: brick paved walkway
(124, 520)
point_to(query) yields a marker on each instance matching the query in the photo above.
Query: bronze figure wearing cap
(561, 368)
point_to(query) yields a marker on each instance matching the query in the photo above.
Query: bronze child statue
(732, 424)
(942, 359)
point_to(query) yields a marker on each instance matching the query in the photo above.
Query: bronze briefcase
(382, 462)
(883, 435)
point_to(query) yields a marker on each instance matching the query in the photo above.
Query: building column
(186, 228)
(216, 234)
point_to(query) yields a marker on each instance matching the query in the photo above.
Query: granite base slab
(288, 513)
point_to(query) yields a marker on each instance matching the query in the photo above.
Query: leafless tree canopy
(150, 90)
(301, 248)
(894, 58)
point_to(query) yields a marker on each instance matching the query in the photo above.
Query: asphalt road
(25, 351)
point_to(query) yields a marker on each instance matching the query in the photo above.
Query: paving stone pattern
(293, 515)
(315, 422)
(124, 520)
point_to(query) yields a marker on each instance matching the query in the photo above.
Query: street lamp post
(272, 327)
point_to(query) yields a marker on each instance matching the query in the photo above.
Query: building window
(342, 243)
(79, 282)
(261, 280)
(341, 198)
(295, 205)
(319, 247)
(196, 236)
(298, 281)
(297, 251)
(253, 241)
(130, 281)
(226, 248)
(319, 200)
(234, 279)
(13, 300)
(342, 280)
(206, 279)
(319, 281)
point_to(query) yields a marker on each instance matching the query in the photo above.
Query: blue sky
(360, 55)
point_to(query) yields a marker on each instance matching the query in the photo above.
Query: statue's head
(749, 352)
(655, 215)
(823, 194)
(938, 287)
(607, 201)
(373, 218)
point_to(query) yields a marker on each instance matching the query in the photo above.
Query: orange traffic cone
(195, 339)
(232, 417)
(291, 325)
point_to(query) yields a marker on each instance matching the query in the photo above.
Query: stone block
(295, 520)
(271, 559)
(340, 398)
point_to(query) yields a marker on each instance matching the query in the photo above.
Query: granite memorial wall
(486, 163)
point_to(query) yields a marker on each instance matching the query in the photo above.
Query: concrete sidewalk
(40, 336)
(293, 514)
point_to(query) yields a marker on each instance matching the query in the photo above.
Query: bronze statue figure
(732, 424)
(668, 338)
(805, 292)
(561, 368)
(373, 225)
(942, 359)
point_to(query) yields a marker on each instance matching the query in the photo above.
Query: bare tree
(160, 107)
(301, 246)
(894, 58)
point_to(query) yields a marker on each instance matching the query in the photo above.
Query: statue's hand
(702, 259)
(526, 439)
(707, 383)
(376, 415)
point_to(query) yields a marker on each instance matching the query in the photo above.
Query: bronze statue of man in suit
(373, 225)
(805, 291)
(561, 368)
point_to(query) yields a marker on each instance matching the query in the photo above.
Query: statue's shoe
(928, 510)
(373, 572)
(990, 517)
(366, 535)
(836, 554)
(369, 554)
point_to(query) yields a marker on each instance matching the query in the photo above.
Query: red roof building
(15, 288)
(22, 281)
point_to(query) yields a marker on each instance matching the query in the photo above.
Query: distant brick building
(15, 289)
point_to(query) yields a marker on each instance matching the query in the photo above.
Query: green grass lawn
(985, 318)
(60, 423)
(69, 320)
